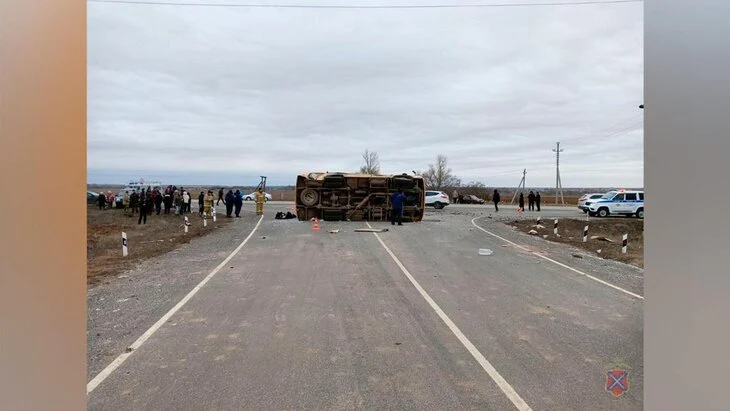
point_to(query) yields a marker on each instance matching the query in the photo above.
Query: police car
(619, 202)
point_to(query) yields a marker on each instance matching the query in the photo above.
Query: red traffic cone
(315, 227)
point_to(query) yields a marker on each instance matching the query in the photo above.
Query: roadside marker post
(555, 227)
(205, 220)
(214, 214)
(187, 223)
(538, 220)
(125, 250)
(624, 243)
(585, 234)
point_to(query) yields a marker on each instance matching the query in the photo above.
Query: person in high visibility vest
(260, 199)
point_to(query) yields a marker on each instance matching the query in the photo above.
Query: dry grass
(571, 232)
(161, 234)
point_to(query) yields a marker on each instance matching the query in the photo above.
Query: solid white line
(119, 360)
(558, 263)
(498, 379)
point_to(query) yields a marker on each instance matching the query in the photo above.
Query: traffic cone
(315, 227)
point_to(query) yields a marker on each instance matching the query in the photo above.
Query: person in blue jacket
(228, 201)
(397, 200)
(238, 202)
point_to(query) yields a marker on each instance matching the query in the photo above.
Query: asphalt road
(413, 318)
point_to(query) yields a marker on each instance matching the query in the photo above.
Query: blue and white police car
(619, 202)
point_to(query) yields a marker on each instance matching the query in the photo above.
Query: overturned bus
(357, 197)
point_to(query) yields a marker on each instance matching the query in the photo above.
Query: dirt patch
(571, 232)
(162, 234)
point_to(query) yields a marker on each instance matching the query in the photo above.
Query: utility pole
(558, 183)
(521, 185)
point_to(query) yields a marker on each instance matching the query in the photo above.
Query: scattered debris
(485, 251)
(539, 226)
(601, 238)
(505, 245)
(598, 251)
(263, 237)
(129, 349)
(371, 230)
(533, 232)
(577, 255)
(123, 276)
(545, 236)
(334, 231)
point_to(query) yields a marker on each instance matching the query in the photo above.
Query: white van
(619, 202)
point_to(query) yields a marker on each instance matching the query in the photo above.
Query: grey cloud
(282, 91)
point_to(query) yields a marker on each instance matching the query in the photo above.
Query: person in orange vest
(260, 199)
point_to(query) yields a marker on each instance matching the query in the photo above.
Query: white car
(587, 197)
(620, 202)
(437, 199)
(252, 196)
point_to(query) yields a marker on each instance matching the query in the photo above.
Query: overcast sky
(222, 95)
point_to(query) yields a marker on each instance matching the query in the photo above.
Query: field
(161, 234)
(571, 232)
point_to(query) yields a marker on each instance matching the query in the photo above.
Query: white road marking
(141, 340)
(558, 263)
(491, 371)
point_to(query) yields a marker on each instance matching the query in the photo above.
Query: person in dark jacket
(220, 197)
(134, 201)
(522, 202)
(531, 201)
(101, 200)
(201, 203)
(397, 200)
(537, 201)
(158, 202)
(229, 203)
(495, 200)
(144, 199)
(238, 202)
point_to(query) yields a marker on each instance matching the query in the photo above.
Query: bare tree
(439, 177)
(372, 163)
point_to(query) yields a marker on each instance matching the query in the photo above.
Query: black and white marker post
(187, 223)
(205, 219)
(585, 234)
(538, 220)
(213, 212)
(555, 227)
(625, 243)
(125, 250)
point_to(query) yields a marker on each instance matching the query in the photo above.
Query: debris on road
(577, 255)
(335, 231)
(371, 230)
(485, 251)
(533, 232)
(601, 238)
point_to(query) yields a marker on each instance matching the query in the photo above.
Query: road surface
(412, 318)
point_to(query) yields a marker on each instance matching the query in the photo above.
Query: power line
(620, 126)
(414, 6)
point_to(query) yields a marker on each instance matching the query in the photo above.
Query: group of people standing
(532, 198)
(232, 200)
(177, 201)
